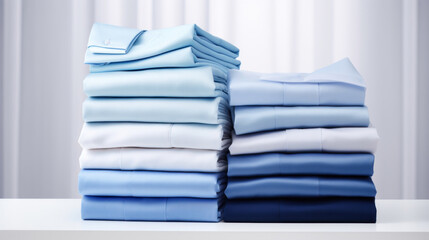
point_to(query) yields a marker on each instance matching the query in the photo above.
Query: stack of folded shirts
(302, 149)
(157, 124)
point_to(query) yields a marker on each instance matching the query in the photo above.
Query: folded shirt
(151, 209)
(139, 44)
(157, 110)
(256, 119)
(110, 44)
(300, 186)
(354, 164)
(184, 57)
(150, 184)
(181, 160)
(166, 82)
(307, 140)
(154, 135)
(306, 210)
(337, 84)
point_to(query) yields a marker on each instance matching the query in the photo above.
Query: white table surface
(60, 219)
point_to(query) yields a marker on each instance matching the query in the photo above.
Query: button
(107, 42)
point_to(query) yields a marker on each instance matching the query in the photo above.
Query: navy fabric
(306, 210)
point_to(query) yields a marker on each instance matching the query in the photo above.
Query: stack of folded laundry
(302, 149)
(157, 124)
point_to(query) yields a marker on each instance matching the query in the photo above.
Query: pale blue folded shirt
(336, 84)
(152, 209)
(249, 119)
(112, 48)
(160, 110)
(150, 184)
(164, 82)
(183, 57)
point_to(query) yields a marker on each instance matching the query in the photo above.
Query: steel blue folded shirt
(336, 84)
(164, 82)
(307, 210)
(150, 184)
(257, 119)
(300, 186)
(353, 164)
(157, 110)
(151, 209)
(111, 44)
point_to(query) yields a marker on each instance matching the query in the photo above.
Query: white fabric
(307, 140)
(154, 135)
(182, 160)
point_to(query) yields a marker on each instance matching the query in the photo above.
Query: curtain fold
(43, 46)
(11, 95)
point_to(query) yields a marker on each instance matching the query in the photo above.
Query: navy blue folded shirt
(305, 210)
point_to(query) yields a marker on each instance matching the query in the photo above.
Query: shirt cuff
(109, 39)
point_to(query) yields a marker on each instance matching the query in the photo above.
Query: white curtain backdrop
(43, 44)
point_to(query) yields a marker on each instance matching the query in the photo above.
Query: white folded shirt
(307, 140)
(181, 160)
(154, 135)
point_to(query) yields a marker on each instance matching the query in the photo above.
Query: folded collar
(341, 71)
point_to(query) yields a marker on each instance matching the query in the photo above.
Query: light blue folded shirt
(354, 164)
(336, 84)
(183, 57)
(257, 118)
(111, 44)
(300, 187)
(151, 209)
(157, 110)
(165, 82)
(150, 184)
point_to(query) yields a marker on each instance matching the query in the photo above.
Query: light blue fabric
(157, 42)
(336, 84)
(101, 41)
(159, 110)
(358, 164)
(257, 119)
(151, 209)
(166, 82)
(300, 187)
(183, 57)
(150, 184)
